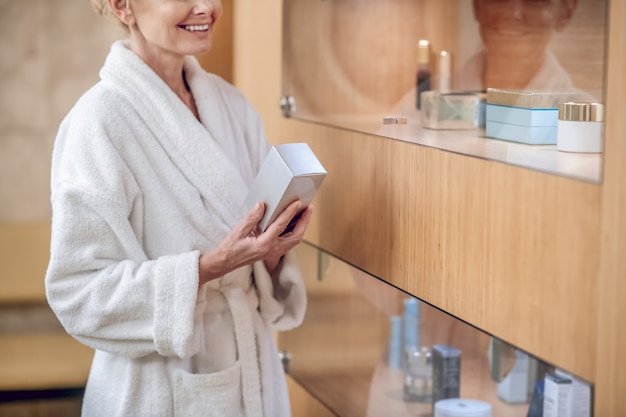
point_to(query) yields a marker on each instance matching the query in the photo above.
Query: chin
(514, 49)
(199, 50)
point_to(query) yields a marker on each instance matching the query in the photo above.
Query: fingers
(303, 221)
(293, 221)
(282, 222)
(252, 219)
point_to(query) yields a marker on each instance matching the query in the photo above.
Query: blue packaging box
(531, 126)
(523, 116)
(532, 135)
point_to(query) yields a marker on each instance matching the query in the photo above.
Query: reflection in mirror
(350, 63)
(366, 348)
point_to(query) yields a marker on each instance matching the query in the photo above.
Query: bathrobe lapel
(190, 145)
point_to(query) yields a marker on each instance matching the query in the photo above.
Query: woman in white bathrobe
(153, 263)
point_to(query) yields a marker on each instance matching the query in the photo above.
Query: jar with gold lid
(580, 127)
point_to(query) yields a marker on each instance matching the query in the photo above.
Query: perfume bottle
(423, 70)
(445, 65)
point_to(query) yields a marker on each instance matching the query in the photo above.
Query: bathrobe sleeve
(99, 282)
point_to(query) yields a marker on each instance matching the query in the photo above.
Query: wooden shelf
(473, 143)
(359, 393)
(343, 363)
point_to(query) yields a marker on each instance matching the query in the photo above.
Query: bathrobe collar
(191, 144)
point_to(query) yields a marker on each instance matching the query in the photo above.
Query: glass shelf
(342, 353)
(543, 158)
(350, 63)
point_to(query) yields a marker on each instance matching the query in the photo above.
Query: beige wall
(51, 52)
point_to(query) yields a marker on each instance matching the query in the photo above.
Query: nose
(202, 7)
(518, 9)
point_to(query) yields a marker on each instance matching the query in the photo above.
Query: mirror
(366, 348)
(352, 63)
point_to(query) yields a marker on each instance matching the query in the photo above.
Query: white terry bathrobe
(140, 188)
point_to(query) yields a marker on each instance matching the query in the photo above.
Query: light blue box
(522, 116)
(529, 117)
(532, 135)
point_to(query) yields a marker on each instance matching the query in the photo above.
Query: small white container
(580, 127)
(462, 407)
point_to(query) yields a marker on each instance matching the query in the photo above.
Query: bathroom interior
(505, 256)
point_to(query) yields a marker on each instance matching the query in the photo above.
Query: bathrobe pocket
(217, 394)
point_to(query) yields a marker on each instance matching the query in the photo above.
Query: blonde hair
(103, 8)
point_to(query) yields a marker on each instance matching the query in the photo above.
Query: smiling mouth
(194, 28)
(512, 32)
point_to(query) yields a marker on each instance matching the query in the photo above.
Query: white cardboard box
(291, 171)
(557, 393)
(580, 400)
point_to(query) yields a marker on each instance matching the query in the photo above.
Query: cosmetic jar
(580, 127)
(461, 407)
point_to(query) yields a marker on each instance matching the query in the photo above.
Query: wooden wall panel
(611, 365)
(511, 251)
(257, 58)
(305, 404)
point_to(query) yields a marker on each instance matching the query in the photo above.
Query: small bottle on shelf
(418, 376)
(422, 82)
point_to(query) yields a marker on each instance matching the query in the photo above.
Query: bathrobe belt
(240, 304)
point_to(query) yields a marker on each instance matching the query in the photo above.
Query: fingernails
(257, 206)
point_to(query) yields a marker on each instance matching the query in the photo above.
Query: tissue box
(289, 172)
(524, 116)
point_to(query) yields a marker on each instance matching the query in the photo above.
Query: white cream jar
(580, 127)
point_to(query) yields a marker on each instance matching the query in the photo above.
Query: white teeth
(195, 28)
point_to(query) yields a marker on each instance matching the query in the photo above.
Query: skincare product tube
(395, 343)
(445, 68)
(411, 324)
(423, 70)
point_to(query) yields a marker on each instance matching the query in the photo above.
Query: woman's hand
(245, 244)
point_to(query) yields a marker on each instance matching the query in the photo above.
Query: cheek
(544, 19)
(219, 9)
